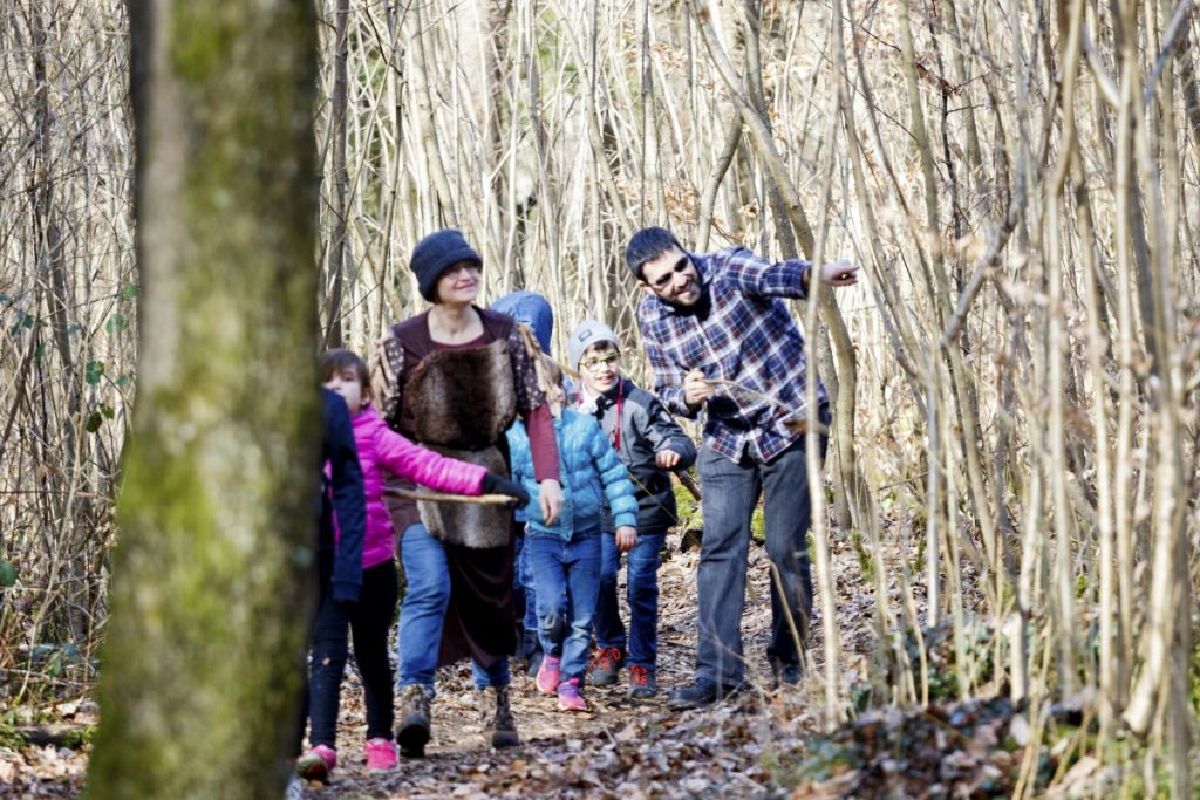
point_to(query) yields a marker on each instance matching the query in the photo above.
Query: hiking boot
(317, 763)
(413, 731)
(702, 692)
(535, 662)
(641, 683)
(498, 718)
(785, 673)
(569, 698)
(606, 665)
(381, 755)
(547, 674)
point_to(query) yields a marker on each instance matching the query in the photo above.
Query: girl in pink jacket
(380, 450)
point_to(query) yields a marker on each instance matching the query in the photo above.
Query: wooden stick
(527, 336)
(689, 484)
(535, 348)
(446, 497)
(793, 423)
(734, 388)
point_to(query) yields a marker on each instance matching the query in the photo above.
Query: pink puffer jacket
(382, 449)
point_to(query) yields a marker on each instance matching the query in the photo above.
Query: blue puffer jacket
(590, 471)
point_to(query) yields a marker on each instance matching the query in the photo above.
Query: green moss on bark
(202, 666)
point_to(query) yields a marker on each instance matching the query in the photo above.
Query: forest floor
(621, 748)
(765, 743)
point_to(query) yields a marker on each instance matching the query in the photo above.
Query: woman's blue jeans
(423, 611)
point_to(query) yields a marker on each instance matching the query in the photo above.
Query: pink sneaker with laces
(569, 698)
(547, 677)
(381, 755)
(317, 763)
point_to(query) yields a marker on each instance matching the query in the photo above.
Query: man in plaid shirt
(720, 338)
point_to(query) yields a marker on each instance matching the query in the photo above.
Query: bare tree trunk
(335, 255)
(1056, 345)
(825, 576)
(843, 349)
(1107, 590)
(712, 183)
(53, 270)
(202, 664)
(1122, 495)
(751, 13)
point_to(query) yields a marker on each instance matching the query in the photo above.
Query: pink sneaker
(569, 698)
(381, 755)
(547, 677)
(317, 763)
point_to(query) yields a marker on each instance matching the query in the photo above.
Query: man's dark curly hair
(647, 245)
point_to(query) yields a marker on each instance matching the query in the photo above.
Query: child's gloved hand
(626, 538)
(496, 484)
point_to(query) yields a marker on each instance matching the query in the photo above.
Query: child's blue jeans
(642, 595)
(566, 579)
(523, 583)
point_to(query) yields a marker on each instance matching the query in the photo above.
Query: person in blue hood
(534, 312)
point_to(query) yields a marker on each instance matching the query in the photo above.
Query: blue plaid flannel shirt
(749, 337)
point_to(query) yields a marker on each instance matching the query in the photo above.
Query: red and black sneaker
(641, 683)
(606, 665)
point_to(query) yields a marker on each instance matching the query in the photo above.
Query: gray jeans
(731, 491)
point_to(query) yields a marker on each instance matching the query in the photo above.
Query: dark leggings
(370, 619)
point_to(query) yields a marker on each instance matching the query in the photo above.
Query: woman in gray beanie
(459, 375)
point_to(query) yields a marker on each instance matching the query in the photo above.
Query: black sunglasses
(667, 277)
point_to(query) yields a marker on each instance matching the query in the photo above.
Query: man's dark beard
(703, 305)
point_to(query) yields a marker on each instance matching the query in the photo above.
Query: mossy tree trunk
(201, 667)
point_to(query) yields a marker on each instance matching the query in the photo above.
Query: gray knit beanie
(586, 334)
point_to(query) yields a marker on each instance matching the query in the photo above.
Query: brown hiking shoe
(413, 731)
(498, 718)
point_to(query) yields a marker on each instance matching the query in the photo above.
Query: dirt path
(763, 744)
(622, 748)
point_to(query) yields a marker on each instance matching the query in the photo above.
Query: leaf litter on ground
(764, 743)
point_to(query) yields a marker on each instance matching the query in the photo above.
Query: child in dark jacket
(650, 444)
(339, 547)
(565, 556)
(340, 554)
(370, 618)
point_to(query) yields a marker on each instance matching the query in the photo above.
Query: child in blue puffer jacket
(565, 557)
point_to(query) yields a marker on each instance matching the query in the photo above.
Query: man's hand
(550, 499)
(626, 538)
(666, 459)
(840, 273)
(696, 389)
